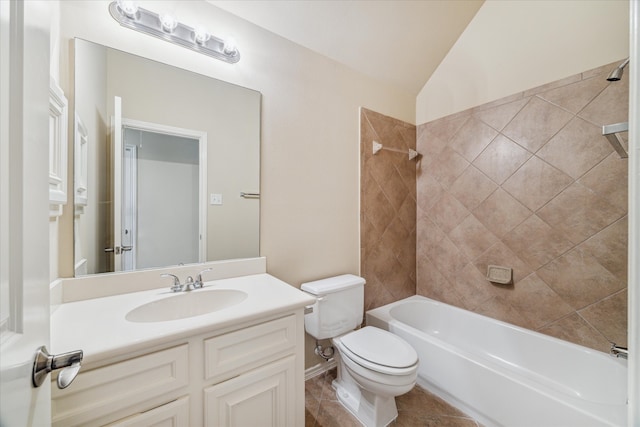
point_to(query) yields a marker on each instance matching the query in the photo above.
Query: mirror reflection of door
(157, 187)
(160, 190)
(129, 230)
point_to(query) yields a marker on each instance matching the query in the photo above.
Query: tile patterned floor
(416, 408)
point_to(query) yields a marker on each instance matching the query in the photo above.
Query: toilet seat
(378, 350)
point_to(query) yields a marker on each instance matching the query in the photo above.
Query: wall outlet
(216, 199)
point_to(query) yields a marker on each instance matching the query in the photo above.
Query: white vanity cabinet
(252, 375)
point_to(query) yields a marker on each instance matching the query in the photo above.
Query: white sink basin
(186, 304)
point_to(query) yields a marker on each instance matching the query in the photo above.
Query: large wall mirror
(166, 164)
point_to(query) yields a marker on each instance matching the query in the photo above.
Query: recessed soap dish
(499, 274)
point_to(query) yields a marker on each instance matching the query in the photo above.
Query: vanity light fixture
(166, 27)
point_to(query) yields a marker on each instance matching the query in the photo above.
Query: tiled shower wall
(388, 209)
(529, 182)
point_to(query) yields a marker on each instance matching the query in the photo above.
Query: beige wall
(511, 46)
(91, 221)
(529, 182)
(309, 169)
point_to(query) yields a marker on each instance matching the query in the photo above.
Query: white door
(129, 206)
(116, 156)
(24, 269)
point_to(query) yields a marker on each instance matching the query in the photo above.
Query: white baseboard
(319, 369)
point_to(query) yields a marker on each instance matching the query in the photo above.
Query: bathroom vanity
(242, 364)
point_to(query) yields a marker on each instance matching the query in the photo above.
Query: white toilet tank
(339, 306)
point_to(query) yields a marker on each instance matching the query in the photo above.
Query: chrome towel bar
(249, 195)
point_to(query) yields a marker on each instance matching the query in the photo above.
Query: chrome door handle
(118, 249)
(69, 363)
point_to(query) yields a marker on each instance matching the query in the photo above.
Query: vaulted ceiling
(399, 42)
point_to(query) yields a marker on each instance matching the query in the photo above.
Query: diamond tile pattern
(536, 123)
(529, 182)
(388, 207)
(536, 183)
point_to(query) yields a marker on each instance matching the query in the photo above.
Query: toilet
(374, 365)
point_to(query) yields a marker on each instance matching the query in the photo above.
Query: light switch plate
(216, 199)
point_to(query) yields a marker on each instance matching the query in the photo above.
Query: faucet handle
(199, 283)
(177, 287)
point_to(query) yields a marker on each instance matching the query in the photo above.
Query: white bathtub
(504, 375)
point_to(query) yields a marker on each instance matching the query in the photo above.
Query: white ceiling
(400, 42)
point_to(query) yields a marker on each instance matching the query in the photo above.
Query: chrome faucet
(619, 351)
(198, 284)
(189, 284)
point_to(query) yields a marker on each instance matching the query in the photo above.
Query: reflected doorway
(162, 214)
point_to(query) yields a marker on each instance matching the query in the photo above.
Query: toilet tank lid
(333, 284)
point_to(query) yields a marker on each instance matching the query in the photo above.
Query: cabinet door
(263, 397)
(173, 414)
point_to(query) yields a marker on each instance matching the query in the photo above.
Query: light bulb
(230, 46)
(128, 7)
(201, 35)
(168, 22)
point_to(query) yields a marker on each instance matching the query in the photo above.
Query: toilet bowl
(374, 365)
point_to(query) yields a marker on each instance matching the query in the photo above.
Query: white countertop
(98, 326)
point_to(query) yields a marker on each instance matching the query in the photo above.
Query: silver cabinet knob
(44, 363)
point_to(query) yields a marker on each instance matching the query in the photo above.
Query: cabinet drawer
(228, 355)
(171, 414)
(104, 391)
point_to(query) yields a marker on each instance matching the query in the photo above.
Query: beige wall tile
(428, 191)
(608, 179)
(447, 127)
(472, 238)
(498, 117)
(536, 182)
(610, 106)
(388, 210)
(448, 166)
(536, 123)
(579, 213)
(537, 303)
(501, 159)
(575, 329)
(579, 279)
(536, 243)
(574, 97)
(472, 188)
(471, 139)
(609, 247)
(501, 213)
(609, 316)
(448, 212)
(578, 147)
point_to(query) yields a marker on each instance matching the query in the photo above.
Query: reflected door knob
(69, 363)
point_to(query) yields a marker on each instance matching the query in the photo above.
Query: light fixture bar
(150, 23)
